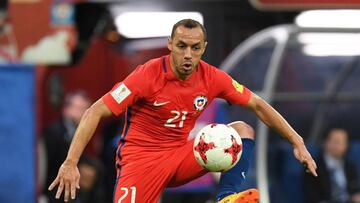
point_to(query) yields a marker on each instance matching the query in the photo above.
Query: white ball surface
(217, 147)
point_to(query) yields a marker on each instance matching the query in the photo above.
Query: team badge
(200, 102)
(237, 86)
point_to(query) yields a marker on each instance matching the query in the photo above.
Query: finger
(73, 190)
(311, 166)
(305, 162)
(313, 171)
(315, 164)
(67, 192)
(60, 189)
(78, 183)
(54, 183)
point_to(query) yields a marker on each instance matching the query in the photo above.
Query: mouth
(187, 66)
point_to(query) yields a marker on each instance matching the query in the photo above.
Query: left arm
(235, 93)
(273, 119)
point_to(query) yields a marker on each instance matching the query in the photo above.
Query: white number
(133, 194)
(169, 122)
(183, 117)
(124, 195)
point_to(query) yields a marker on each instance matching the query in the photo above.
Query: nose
(188, 53)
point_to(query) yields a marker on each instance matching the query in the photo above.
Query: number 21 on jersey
(126, 192)
(171, 122)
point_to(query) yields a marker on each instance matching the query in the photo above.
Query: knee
(244, 130)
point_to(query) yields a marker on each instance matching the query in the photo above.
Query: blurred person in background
(91, 182)
(162, 100)
(57, 137)
(338, 179)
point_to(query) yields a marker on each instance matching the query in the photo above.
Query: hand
(304, 157)
(68, 177)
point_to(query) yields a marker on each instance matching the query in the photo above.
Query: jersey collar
(169, 74)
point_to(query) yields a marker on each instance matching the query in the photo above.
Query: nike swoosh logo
(160, 104)
(243, 174)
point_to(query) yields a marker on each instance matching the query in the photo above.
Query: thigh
(141, 181)
(187, 167)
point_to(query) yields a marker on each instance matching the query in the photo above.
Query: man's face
(337, 143)
(76, 109)
(187, 46)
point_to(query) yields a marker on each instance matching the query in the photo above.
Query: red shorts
(143, 180)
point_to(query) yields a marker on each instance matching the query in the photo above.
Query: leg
(231, 180)
(187, 167)
(143, 180)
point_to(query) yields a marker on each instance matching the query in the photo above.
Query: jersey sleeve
(230, 90)
(127, 92)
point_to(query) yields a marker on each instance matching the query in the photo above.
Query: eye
(181, 46)
(196, 47)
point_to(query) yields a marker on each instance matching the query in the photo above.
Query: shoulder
(146, 77)
(154, 63)
(207, 67)
(150, 69)
(210, 71)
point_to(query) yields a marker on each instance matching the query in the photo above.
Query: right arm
(68, 176)
(115, 102)
(86, 129)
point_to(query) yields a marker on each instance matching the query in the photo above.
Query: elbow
(91, 112)
(98, 110)
(263, 110)
(258, 104)
(88, 112)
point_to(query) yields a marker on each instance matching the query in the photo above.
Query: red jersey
(161, 109)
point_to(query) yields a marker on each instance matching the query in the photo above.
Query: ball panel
(217, 147)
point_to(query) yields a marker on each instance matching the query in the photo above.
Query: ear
(169, 43)
(205, 44)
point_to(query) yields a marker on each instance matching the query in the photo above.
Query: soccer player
(162, 100)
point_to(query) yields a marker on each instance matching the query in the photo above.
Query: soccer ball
(217, 147)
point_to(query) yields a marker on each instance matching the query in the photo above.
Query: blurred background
(59, 56)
